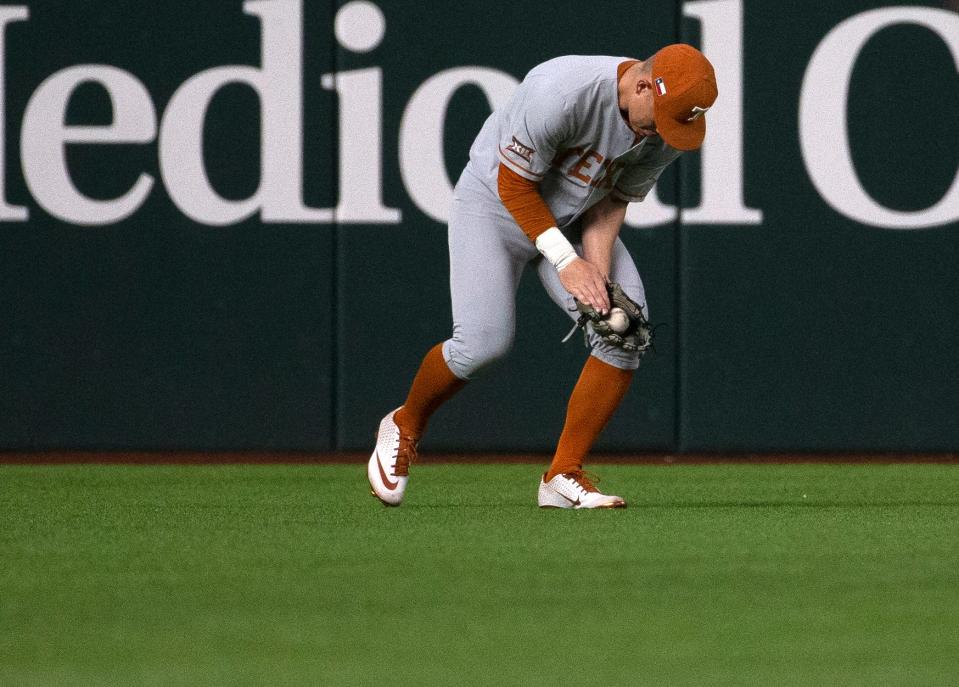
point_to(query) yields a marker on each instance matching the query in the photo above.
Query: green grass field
(715, 575)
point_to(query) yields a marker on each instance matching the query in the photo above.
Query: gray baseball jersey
(563, 129)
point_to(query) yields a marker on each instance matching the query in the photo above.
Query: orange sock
(433, 385)
(595, 398)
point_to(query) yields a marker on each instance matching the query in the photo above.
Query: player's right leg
(605, 378)
(487, 255)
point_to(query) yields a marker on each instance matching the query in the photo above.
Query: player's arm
(580, 277)
(601, 225)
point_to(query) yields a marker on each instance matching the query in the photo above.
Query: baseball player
(547, 184)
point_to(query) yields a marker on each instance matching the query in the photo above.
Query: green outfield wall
(222, 225)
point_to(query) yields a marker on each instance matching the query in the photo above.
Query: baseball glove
(638, 336)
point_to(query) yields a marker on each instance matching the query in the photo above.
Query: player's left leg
(603, 383)
(488, 253)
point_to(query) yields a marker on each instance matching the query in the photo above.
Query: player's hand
(584, 280)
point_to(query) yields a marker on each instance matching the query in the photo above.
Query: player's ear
(642, 85)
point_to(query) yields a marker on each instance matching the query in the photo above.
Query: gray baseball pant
(488, 252)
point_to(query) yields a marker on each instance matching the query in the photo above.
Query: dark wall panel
(813, 331)
(791, 319)
(158, 331)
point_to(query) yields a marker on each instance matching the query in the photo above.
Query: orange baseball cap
(684, 87)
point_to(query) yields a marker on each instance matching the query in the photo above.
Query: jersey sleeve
(636, 180)
(521, 198)
(533, 129)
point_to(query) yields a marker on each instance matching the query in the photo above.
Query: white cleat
(574, 490)
(388, 467)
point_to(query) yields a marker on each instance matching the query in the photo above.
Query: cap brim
(680, 136)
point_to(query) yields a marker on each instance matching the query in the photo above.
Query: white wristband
(555, 248)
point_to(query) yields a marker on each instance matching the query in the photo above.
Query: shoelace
(405, 455)
(584, 479)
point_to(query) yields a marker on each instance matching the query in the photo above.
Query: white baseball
(618, 320)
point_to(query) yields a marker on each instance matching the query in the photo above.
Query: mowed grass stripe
(728, 575)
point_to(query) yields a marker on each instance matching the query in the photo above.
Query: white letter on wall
(360, 27)
(722, 154)
(721, 169)
(422, 159)
(278, 83)
(823, 129)
(44, 137)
